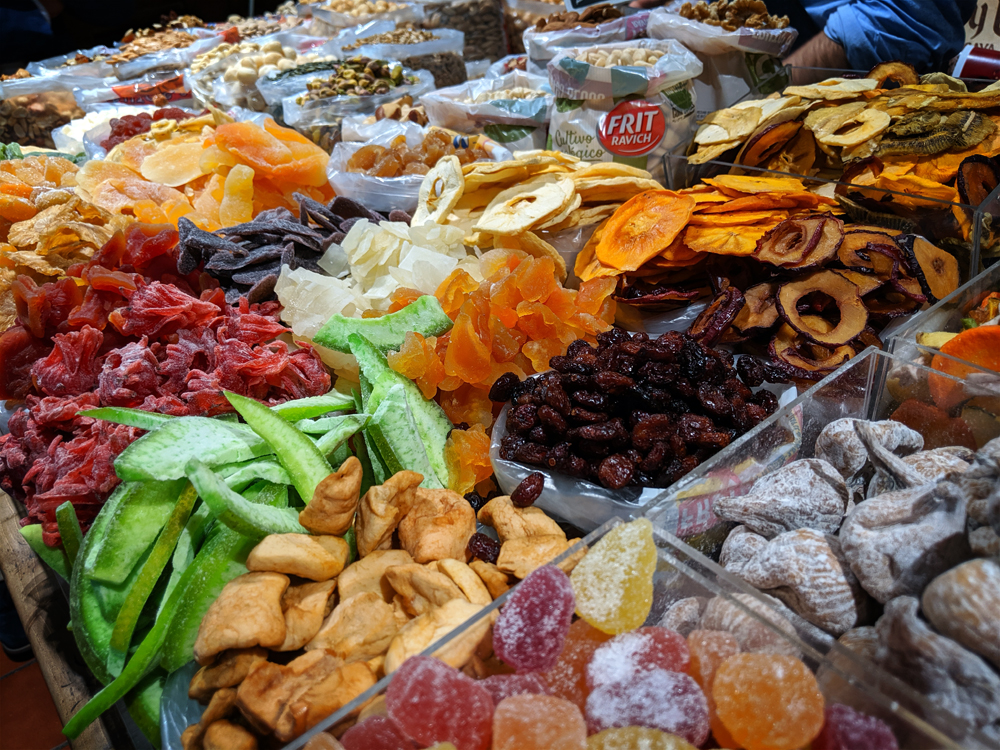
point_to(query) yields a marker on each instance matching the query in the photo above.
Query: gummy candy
(847, 729)
(237, 199)
(432, 702)
(658, 699)
(568, 678)
(538, 722)
(375, 733)
(531, 629)
(626, 655)
(768, 701)
(613, 583)
(502, 686)
(636, 738)
(709, 648)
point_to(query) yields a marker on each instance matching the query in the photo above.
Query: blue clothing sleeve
(924, 33)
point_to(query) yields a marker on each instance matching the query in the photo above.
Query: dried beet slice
(800, 242)
(936, 269)
(763, 146)
(865, 283)
(715, 319)
(902, 73)
(978, 176)
(760, 310)
(853, 314)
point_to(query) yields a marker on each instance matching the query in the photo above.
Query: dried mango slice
(739, 241)
(754, 184)
(642, 228)
(252, 145)
(237, 199)
(174, 165)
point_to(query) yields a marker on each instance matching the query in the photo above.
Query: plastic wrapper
(596, 107)
(521, 15)
(517, 123)
(161, 88)
(734, 61)
(442, 57)
(170, 59)
(326, 22)
(386, 193)
(31, 108)
(480, 20)
(274, 88)
(177, 710)
(476, 69)
(543, 46)
(509, 64)
(57, 65)
(356, 128)
(320, 119)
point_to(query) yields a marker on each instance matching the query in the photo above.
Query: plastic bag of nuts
(344, 14)
(438, 52)
(521, 15)
(481, 21)
(543, 46)
(31, 108)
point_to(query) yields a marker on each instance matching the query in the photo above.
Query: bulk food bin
(682, 573)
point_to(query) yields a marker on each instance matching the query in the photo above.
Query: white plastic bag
(56, 65)
(172, 59)
(170, 85)
(517, 123)
(543, 46)
(356, 128)
(632, 115)
(734, 61)
(509, 64)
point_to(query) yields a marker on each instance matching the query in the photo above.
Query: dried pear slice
(766, 143)
(801, 242)
(726, 125)
(715, 319)
(865, 283)
(440, 191)
(936, 269)
(798, 156)
(853, 315)
(760, 310)
(855, 130)
(887, 303)
(909, 287)
(854, 251)
(978, 176)
(787, 347)
(520, 207)
(902, 73)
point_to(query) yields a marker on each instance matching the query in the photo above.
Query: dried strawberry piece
(72, 366)
(129, 375)
(157, 309)
(41, 309)
(19, 350)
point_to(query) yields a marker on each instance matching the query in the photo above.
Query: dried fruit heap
(138, 336)
(399, 159)
(633, 411)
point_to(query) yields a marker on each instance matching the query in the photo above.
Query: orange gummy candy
(768, 701)
(402, 296)
(568, 678)
(709, 648)
(538, 722)
(468, 455)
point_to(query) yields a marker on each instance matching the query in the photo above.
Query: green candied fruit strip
(313, 406)
(144, 420)
(250, 519)
(69, 530)
(304, 462)
(394, 433)
(240, 475)
(54, 557)
(424, 316)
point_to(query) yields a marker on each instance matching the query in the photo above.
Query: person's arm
(819, 52)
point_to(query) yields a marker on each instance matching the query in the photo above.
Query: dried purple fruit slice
(853, 315)
(760, 310)
(801, 242)
(715, 319)
(936, 269)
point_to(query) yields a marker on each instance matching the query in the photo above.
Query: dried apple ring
(853, 314)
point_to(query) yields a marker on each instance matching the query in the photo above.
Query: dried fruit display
(399, 159)
(731, 15)
(633, 411)
(817, 290)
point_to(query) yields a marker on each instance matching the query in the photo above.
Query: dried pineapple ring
(862, 128)
(440, 191)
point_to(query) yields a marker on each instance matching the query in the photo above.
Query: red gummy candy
(432, 702)
(628, 654)
(530, 631)
(669, 701)
(502, 686)
(375, 733)
(847, 729)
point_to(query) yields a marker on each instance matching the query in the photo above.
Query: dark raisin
(579, 346)
(527, 398)
(552, 420)
(586, 416)
(509, 445)
(766, 400)
(556, 397)
(528, 490)
(608, 338)
(654, 459)
(713, 400)
(596, 432)
(652, 429)
(616, 471)
(750, 370)
(538, 434)
(576, 382)
(481, 547)
(567, 365)
(612, 382)
(522, 418)
(503, 387)
(592, 401)
(573, 465)
(476, 500)
(532, 453)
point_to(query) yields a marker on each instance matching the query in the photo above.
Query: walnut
(497, 582)
(964, 604)
(381, 510)
(514, 523)
(519, 557)
(226, 671)
(224, 735)
(304, 606)
(424, 630)
(358, 629)
(318, 558)
(322, 698)
(265, 693)
(421, 588)
(368, 573)
(439, 524)
(466, 579)
(335, 501)
(247, 613)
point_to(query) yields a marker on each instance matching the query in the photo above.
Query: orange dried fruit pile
(216, 175)
(399, 159)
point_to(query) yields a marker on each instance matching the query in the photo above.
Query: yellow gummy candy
(636, 738)
(237, 200)
(613, 584)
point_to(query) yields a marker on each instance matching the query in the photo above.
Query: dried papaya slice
(739, 240)
(979, 347)
(642, 228)
(936, 269)
(853, 314)
(756, 184)
(978, 176)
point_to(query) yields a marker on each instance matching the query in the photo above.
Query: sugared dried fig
(863, 642)
(753, 635)
(964, 604)
(839, 444)
(739, 548)
(684, 615)
(808, 493)
(931, 465)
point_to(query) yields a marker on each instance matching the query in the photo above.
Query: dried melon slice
(643, 227)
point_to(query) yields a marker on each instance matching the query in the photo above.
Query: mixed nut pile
(358, 76)
(361, 8)
(731, 15)
(592, 16)
(615, 57)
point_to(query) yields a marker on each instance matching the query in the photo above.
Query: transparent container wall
(682, 574)
(989, 241)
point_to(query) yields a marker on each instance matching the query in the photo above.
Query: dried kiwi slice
(853, 314)
(936, 269)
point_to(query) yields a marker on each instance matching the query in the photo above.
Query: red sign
(633, 128)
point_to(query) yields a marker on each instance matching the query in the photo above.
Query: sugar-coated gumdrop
(636, 738)
(709, 648)
(432, 702)
(501, 686)
(568, 678)
(847, 729)
(530, 631)
(669, 701)
(613, 583)
(768, 701)
(375, 733)
(538, 722)
(621, 658)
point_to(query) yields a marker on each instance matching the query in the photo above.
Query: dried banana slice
(440, 191)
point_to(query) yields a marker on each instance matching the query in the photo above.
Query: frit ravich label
(632, 128)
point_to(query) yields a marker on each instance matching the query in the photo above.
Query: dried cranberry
(503, 387)
(528, 490)
(481, 547)
(616, 471)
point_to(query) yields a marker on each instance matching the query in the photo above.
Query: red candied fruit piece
(432, 702)
(144, 242)
(628, 654)
(158, 309)
(847, 729)
(105, 280)
(171, 113)
(567, 679)
(129, 375)
(41, 309)
(937, 428)
(72, 366)
(531, 629)
(502, 686)
(669, 701)
(375, 733)
(19, 350)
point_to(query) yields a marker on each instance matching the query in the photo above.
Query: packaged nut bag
(629, 102)
(734, 60)
(31, 107)
(543, 46)
(481, 21)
